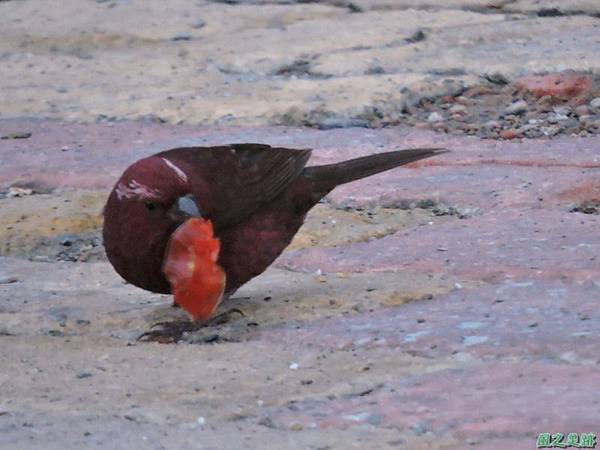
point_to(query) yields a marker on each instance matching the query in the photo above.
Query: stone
(458, 109)
(509, 134)
(562, 110)
(582, 110)
(435, 117)
(8, 279)
(492, 124)
(16, 135)
(15, 191)
(182, 37)
(565, 85)
(516, 108)
(549, 131)
(556, 117)
(553, 8)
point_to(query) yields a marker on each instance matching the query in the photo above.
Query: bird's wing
(232, 181)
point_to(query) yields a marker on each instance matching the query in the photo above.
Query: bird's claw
(160, 324)
(168, 332)
(223, 318)
(171, 332)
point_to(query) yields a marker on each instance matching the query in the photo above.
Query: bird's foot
(171, 332)
(168, 332)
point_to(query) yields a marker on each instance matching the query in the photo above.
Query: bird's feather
(251, 175)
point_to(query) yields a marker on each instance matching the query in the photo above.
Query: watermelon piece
(190, 265)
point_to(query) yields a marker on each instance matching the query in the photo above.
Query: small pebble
(595, 103)
(528, 129)
(440, 126)
(435, 117)
(419, 429)
(549, 131)
(201, 420)
(508, 134)
(266, 422)
(294, 366)
(497, 78)
(15, 191)
(458, 109)
(555, 118)
(491, 124)
(17, 135)
(182, 37)
(562, 110)
(518, 107)
(8, 279)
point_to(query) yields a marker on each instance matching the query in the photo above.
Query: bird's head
(156, 238)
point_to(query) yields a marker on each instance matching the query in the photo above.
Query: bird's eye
(150, 206)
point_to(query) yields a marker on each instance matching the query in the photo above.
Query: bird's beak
(184, 208)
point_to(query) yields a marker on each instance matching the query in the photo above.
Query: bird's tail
(328, 176)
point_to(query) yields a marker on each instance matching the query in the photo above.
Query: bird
(200, 222)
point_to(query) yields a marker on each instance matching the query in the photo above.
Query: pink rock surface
(537, 320)
(521, 347)
(561, 85)
(499, 245)
(93, 155)
(489, 405)
(509, 353)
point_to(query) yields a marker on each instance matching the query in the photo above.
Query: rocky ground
(449, 304)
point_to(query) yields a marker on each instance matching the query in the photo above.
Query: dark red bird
(200, 222)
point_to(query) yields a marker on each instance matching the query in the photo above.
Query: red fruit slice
(190, 265)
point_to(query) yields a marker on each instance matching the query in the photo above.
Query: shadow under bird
(199, 222)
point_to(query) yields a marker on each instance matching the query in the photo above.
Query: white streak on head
(133, 189)
(182, 176)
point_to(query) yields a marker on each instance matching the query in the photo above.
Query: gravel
(502, 111)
